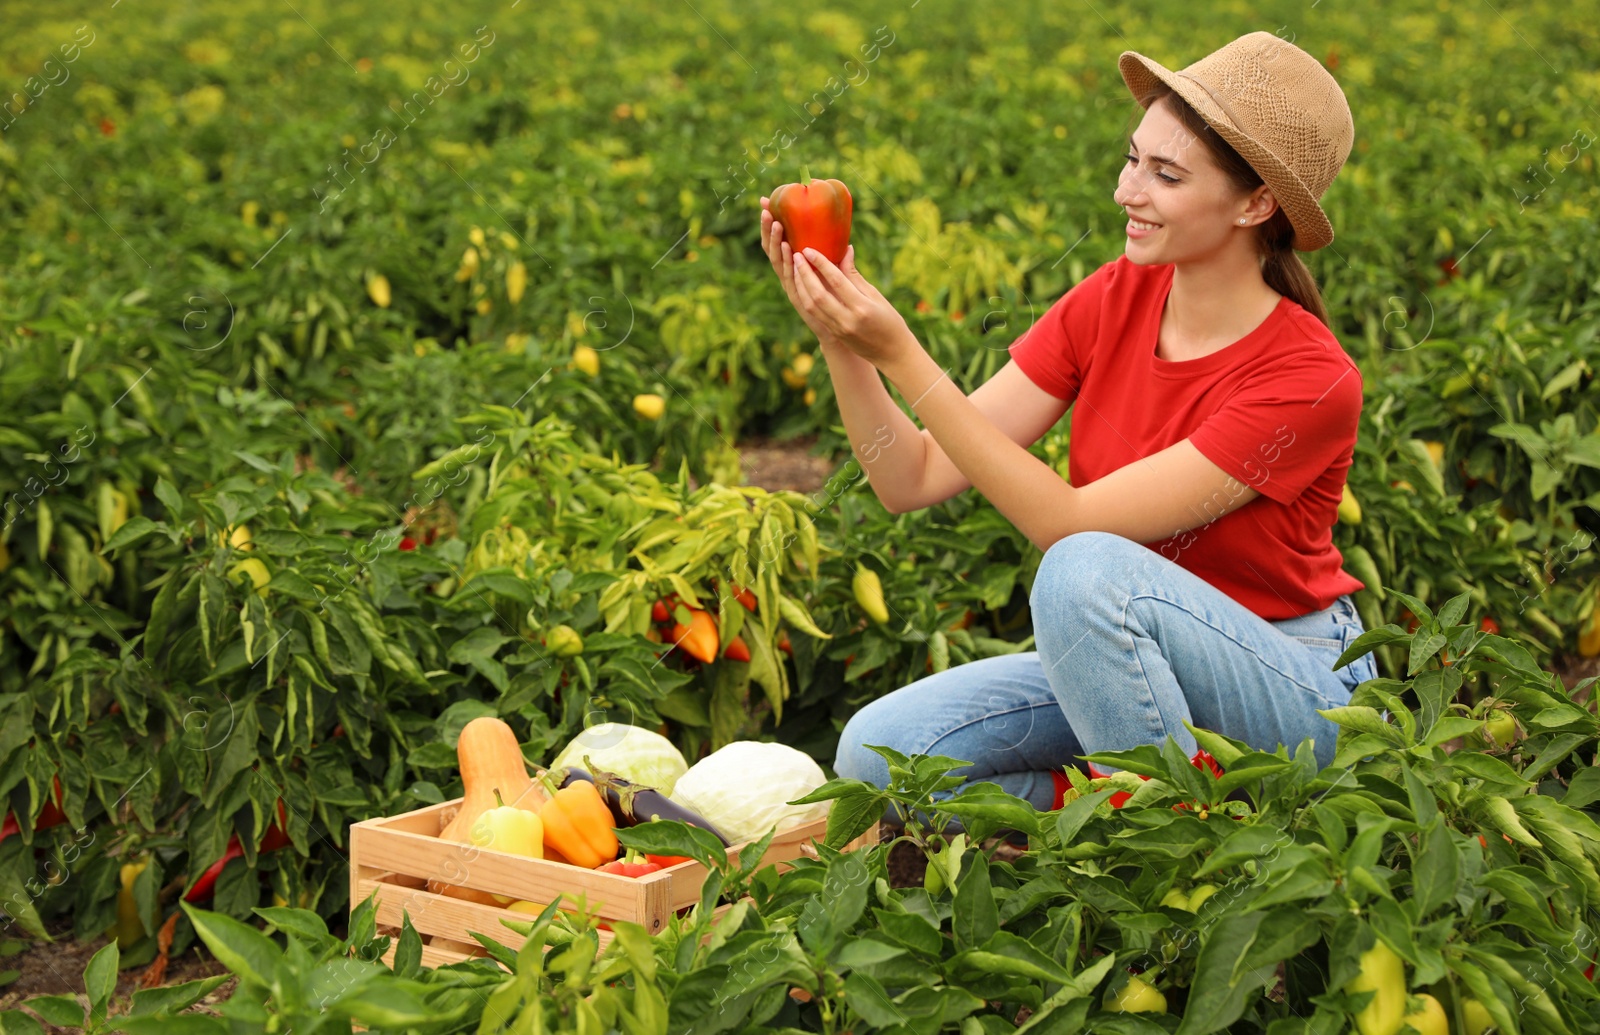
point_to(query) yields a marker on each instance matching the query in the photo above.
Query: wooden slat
(440, 915)
(429, 820)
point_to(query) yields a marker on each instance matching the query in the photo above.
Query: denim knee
(1074, 568)
(854, 761)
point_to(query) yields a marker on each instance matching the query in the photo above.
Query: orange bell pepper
(699, 638)
(578, 825)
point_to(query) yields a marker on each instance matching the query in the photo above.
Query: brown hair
(1281, 268)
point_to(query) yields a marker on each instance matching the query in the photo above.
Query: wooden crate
(396, 856)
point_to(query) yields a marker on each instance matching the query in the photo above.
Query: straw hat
(1278, 107)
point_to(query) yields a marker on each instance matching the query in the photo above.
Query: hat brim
(1312, 230)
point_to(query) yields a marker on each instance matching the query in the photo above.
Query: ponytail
(1282, 269)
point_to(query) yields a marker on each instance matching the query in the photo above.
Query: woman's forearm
(887, 443)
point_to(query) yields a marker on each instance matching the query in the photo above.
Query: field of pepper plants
(370, 369)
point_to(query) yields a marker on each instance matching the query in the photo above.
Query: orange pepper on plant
(699, 637)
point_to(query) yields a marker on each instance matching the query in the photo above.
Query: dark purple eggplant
(631, 804)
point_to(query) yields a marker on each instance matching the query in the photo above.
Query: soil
(56, 968)
(789, 464)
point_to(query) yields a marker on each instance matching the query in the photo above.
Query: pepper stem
(501, 802)
(549, 783)
(805, 175)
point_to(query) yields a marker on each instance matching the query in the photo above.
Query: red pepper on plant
(275, 837)
(50, 816)
(1201, 759)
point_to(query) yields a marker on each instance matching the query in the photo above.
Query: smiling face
(1193, 204)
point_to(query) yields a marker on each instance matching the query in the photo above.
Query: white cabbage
(743, 789)
(634, 753)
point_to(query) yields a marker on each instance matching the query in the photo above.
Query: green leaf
(1306, 880)
(1584, 790)
(247, 952)
(301, 922)
(750, 855)
(173, 998)
(1066, 1008)
(852, 815)
(1248, 769)
(482, 642)
(982, 800)
(1568, 376)
(255, 461)
(100, 980)
(975, 917)
(1436, 869)
(183, 1024)
(1449, 728)
(389, 1007)
(1079, 811)
(134, 530)
(869, 999)
(671, 837)
(911, 930)
(1006, 953)
(844, 890)
(59, 1010)
(15, 1022)
(1423, 647)
(796, 615)
(1501, 815)
(499, 582)
(1224, 749)
(1246, 843)
(865, 952)
(1240, 955)
(1363, 720)
(161, 611)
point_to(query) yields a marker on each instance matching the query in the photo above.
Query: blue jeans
(1129, 645)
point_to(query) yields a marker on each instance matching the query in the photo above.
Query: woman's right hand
(782, 260)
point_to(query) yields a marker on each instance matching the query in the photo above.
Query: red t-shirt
(1277, 410)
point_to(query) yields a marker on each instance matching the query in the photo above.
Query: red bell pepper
(814, 214)
(50, 816)
(664, 861)
(627, 869)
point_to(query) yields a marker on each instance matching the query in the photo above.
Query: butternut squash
(491, 760)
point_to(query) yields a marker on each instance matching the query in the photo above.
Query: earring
(1241, 221)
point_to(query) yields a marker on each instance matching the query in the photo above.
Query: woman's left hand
(854, 311)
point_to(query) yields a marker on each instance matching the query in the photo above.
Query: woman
(1189, 571)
